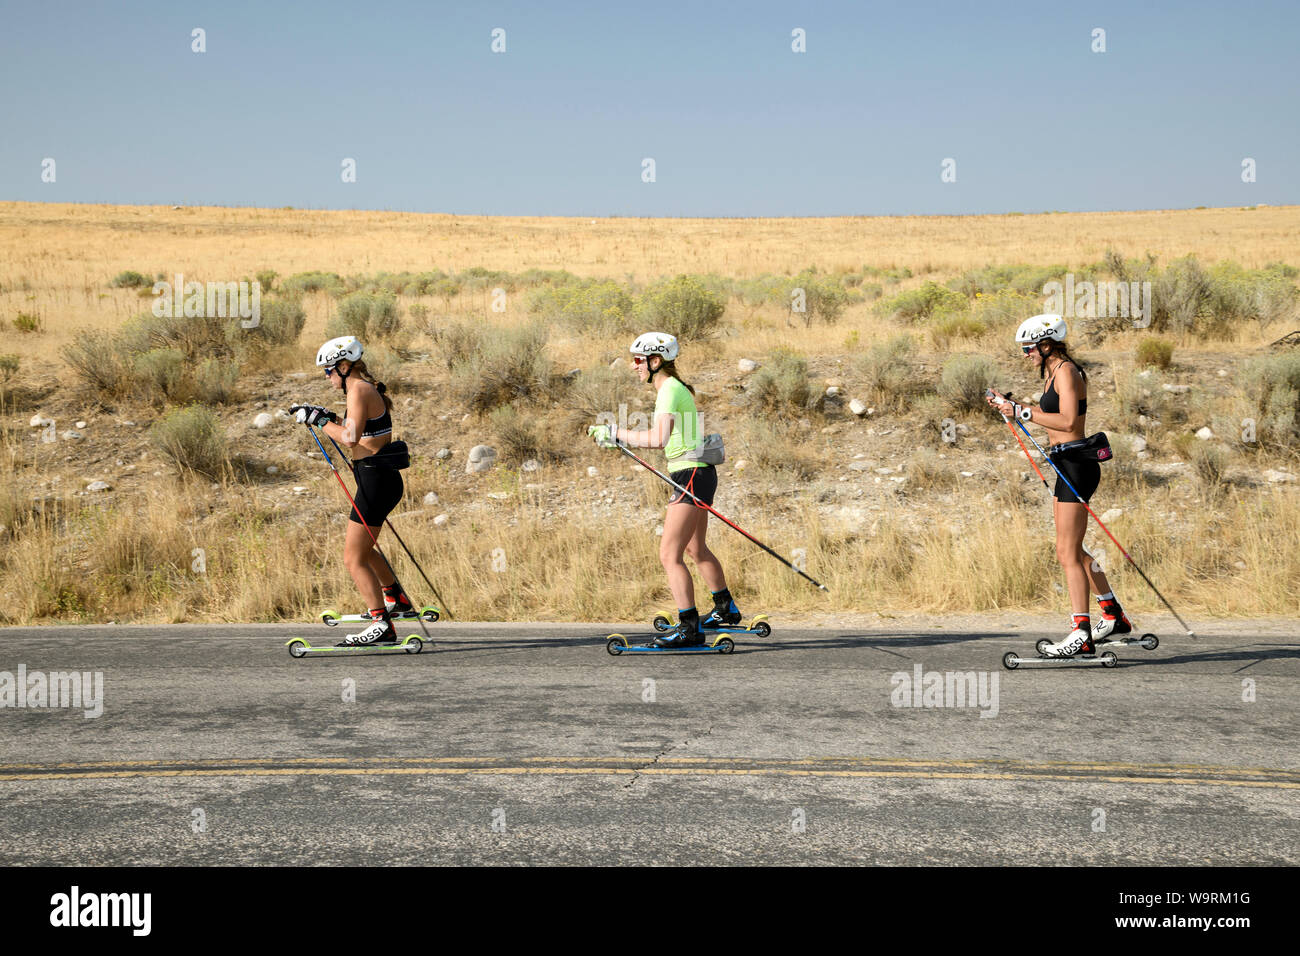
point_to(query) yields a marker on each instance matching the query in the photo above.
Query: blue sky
(737, 123)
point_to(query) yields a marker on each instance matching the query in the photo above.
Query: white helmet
(336, 350)
(1041, 327)
(655, 343)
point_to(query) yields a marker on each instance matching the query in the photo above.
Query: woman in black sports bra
(379, 483)
(1062, 412)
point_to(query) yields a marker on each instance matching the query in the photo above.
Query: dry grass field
(883, 508)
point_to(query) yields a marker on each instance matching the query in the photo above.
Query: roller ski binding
(1076, 650)
(1108, 630)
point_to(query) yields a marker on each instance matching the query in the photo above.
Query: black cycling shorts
(701, 482)
(1084, 475)
(379, 490)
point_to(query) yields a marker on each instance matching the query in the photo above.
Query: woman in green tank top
(676, 430)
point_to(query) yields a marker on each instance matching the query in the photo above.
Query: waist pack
(1093, 448)
(393, 455)
(709, 453)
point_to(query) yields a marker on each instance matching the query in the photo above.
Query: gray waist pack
(709, 453)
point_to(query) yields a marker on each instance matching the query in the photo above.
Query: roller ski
(428, 613)
(688, 637)
(719, 622)
(381, 636)
(1076, 650)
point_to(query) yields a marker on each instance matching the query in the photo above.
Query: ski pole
(1032, 463)
(441, 603)
(1104, 528)
(360, 516)
(623, 448)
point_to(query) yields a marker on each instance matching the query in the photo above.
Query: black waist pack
(393, 455)
(1093, 448)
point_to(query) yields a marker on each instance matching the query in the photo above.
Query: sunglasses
(638, 359)
(331, 370)
(1027, 348)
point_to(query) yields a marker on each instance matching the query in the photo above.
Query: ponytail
(670, 369)
(359, 368)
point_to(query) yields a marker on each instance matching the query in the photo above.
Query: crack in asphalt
(636, 774)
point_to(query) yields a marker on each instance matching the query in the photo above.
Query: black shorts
(701, 482)
(1084, 475)
(378, 492)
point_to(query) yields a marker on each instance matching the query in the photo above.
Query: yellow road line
(669, 767)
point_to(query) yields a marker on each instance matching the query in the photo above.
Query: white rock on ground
(532, 464)
(444, 453)
(858, 407)
(1138, 443)
(747, 365)
(481, 458)
(79, 425)
(431, 498)
(263, 419)
(38, 421)
(1277, 476)
(1111, 515)
(70, 435)
(272, 469)
(441, 520)
(592, 471)
(1177, 389)
(99, 486)
(741, 465)
(832, 391)
(1204, 434)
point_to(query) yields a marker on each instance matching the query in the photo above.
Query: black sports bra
(375, 427)
(1051, 402)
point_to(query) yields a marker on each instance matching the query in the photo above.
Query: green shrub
(161, 371)
(367, 315)
(824, 299)
(589, 307)
(100, 362)
(1208, 462)
(509, 366)
(214, 381)
(1273, 384)
(282, 321)
(1154, 352)
(456, 344)
(600, 391)
(445, 289)
(924, 302)
(130, 280)
(191, 438)
(777, 446)
(1141, 393)
(683, 306)
(266, 280)
(519, 438)
(947, 328)
(890, 375)
(782, 385)
(1022, 280)
(301, 282)
(28, 322)
(8, 368)
(964, 379)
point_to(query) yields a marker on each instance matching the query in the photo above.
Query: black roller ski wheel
(614, 646)
(1009, 660)
(414, 645)
(431, 616)
(763, 629)
(1041, 645)
(662, 624)
(1109, 659)
(1152, 640)
(726, 645)
(330, 618)
(298, 649)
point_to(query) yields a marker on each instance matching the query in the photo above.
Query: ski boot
(721, 617)
(396, 601)
(1112, 623)
(381, 631)
(685, 634)
(1078, 642)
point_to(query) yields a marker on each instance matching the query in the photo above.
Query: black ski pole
(623, 448)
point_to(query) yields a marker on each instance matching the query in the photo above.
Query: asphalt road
(530, 744)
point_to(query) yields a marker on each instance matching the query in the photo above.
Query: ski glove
(312, 414)
(603, 435)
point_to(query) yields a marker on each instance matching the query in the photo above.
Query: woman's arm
(348, 432)
(656, 437)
